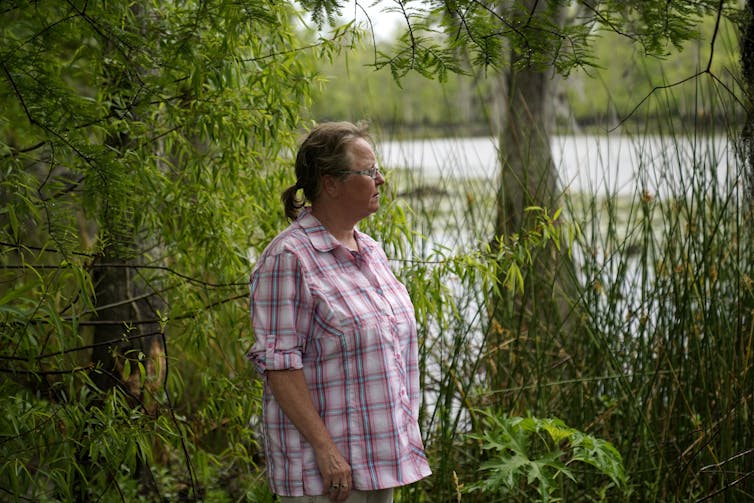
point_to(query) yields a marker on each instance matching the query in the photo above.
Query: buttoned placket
(378, 297)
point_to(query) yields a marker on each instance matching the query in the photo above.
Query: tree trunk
(127, 304)
(747, 66)
(127, 329)
(528, 174)
(128, 353)
(525, 331)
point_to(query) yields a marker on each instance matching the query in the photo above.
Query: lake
(598, 164)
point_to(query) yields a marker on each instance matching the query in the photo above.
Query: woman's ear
(330, 185)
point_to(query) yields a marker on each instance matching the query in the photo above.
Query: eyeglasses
(371, 172)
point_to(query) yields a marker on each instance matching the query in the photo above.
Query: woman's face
(359, 194)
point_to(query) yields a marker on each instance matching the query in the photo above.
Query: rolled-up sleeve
(280, 313)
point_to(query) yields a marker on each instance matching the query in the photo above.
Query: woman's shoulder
(291, 240)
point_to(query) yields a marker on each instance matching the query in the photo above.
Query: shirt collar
(321, 239)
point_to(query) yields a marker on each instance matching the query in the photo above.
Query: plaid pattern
(346, 321)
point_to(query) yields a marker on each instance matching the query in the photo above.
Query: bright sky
(383, 23)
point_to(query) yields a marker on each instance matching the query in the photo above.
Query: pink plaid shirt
(346, 321)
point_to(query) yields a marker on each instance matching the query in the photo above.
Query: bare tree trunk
(526, 331)
(127, 329)
(747, 66)
(528, 174)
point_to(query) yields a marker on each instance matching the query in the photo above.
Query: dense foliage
(141, 148)
(591, 98)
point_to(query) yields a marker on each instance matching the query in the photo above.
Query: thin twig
(186, 455)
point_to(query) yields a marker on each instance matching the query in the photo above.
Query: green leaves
(528, 453)
(148, 138)
(443, 36)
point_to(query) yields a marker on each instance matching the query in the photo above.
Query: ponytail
(291, 202)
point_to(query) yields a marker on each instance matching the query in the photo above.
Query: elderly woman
(336, 339)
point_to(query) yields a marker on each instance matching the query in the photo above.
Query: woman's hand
(292, 393)
(336, 473)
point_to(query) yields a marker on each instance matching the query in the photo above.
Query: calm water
(608, 164)
(598, 165)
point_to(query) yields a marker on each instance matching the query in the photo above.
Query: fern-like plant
(524, 454)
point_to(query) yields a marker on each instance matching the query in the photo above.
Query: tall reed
(662, 366)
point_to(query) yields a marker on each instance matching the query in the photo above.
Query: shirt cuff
(276, 361)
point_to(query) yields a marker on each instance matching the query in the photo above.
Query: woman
(336, 339)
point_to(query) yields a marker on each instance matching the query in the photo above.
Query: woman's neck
(341, 230)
